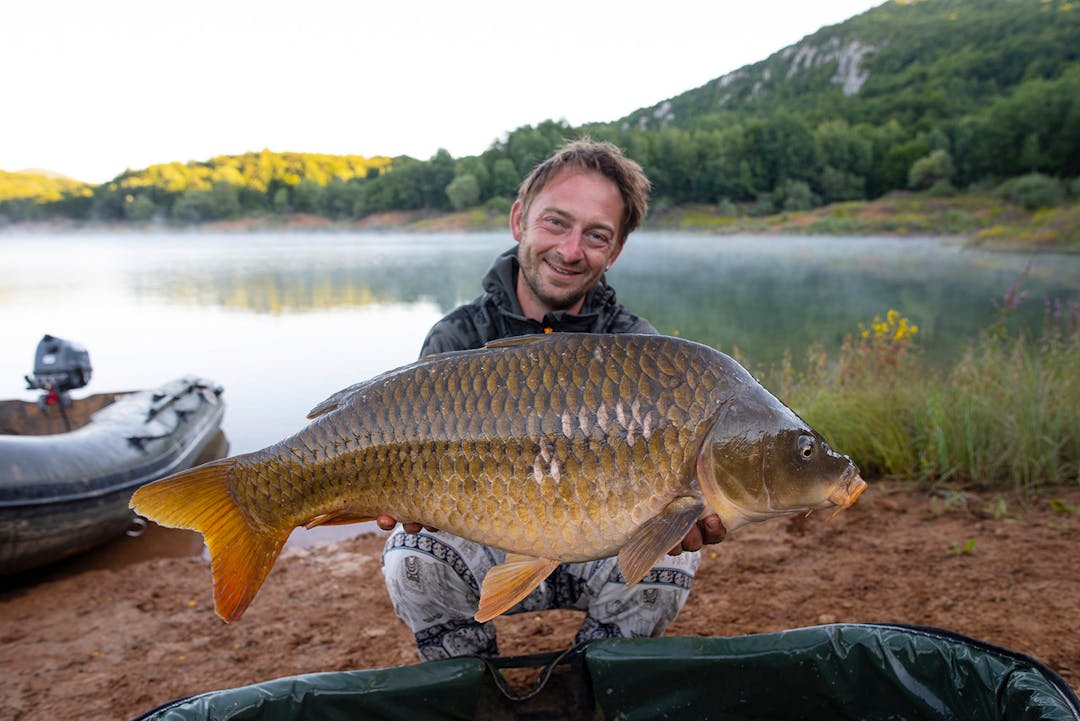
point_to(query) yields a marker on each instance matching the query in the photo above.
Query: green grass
(1006, 416)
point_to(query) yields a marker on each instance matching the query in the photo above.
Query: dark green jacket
(497, 314)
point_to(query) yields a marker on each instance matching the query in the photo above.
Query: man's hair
(603, 158)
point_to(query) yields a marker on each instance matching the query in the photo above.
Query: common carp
(556, 448)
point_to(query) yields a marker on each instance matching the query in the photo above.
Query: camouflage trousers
(434, 582)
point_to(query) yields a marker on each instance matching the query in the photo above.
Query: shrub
(931, 169)
(498, 205)
(794, 195)
(725, 208)
(763, 205)
(1034, 190)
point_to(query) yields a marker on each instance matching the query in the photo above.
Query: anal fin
(657, 536)
(337, 518)
(509, 582)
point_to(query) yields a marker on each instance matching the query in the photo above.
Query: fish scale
(394, 422)
(562, 447)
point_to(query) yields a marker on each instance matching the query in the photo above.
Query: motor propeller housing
(59, 366)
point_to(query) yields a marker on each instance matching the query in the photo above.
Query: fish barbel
(556, 448)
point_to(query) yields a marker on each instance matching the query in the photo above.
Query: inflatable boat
(67, 470)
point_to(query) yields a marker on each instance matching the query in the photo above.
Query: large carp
(556, 448)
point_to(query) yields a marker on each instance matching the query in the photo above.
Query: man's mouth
(560, 270)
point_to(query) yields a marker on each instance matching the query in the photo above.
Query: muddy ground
(84, 641)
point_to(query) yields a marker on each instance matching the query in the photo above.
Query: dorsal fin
(333, 401)
(516, 340)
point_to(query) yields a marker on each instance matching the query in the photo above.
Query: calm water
(284, 320)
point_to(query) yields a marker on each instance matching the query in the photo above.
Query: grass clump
(1006, 415)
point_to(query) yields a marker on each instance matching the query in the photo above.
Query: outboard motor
(59, 366)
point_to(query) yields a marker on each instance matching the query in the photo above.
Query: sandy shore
(82, 641)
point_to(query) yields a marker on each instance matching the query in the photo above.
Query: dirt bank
(110, 643)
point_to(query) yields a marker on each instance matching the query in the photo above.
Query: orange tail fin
(199, 499)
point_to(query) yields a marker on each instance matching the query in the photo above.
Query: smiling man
(569, 232)
(571, 220)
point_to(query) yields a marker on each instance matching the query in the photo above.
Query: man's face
(567, 239)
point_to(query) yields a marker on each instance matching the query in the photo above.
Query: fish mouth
(847, 492)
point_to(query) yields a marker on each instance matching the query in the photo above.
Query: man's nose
(573, 246)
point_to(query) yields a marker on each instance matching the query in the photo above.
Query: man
(570, 220)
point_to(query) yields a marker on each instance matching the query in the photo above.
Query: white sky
(91, 88)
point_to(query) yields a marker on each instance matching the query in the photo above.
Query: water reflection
(284, 320)
(771, 294)
(280, 274)
(762, 295)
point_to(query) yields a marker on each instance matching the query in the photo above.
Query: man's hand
(707, 531)
(387, 523)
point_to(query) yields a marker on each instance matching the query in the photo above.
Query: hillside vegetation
(939, 97)
(38, 186)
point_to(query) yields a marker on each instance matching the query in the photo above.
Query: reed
(1006, 415)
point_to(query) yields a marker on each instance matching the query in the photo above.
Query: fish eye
(806, 447)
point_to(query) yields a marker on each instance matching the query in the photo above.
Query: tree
(896, 166)
(847, 160)
(141, 208)
(781, 148)
(225, 200)
(193, 206)
(339, 198)
(463, 191)
(504, 178)
(308, 197)
(838, 185)
(930, 170)
(528, 146)
(438, 174)
(280, 201)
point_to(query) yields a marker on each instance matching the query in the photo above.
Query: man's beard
(561, 302)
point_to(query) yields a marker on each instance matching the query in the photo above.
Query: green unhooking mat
(845, 671)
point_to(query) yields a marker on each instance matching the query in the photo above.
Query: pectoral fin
(657, 536)
(509, 582)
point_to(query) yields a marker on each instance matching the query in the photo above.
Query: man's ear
(517, 220)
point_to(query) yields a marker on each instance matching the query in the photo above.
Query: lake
(284, 320)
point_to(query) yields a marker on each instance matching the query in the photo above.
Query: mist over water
(284, 320)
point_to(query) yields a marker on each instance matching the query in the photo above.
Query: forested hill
(931, 95)
(920, 63)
